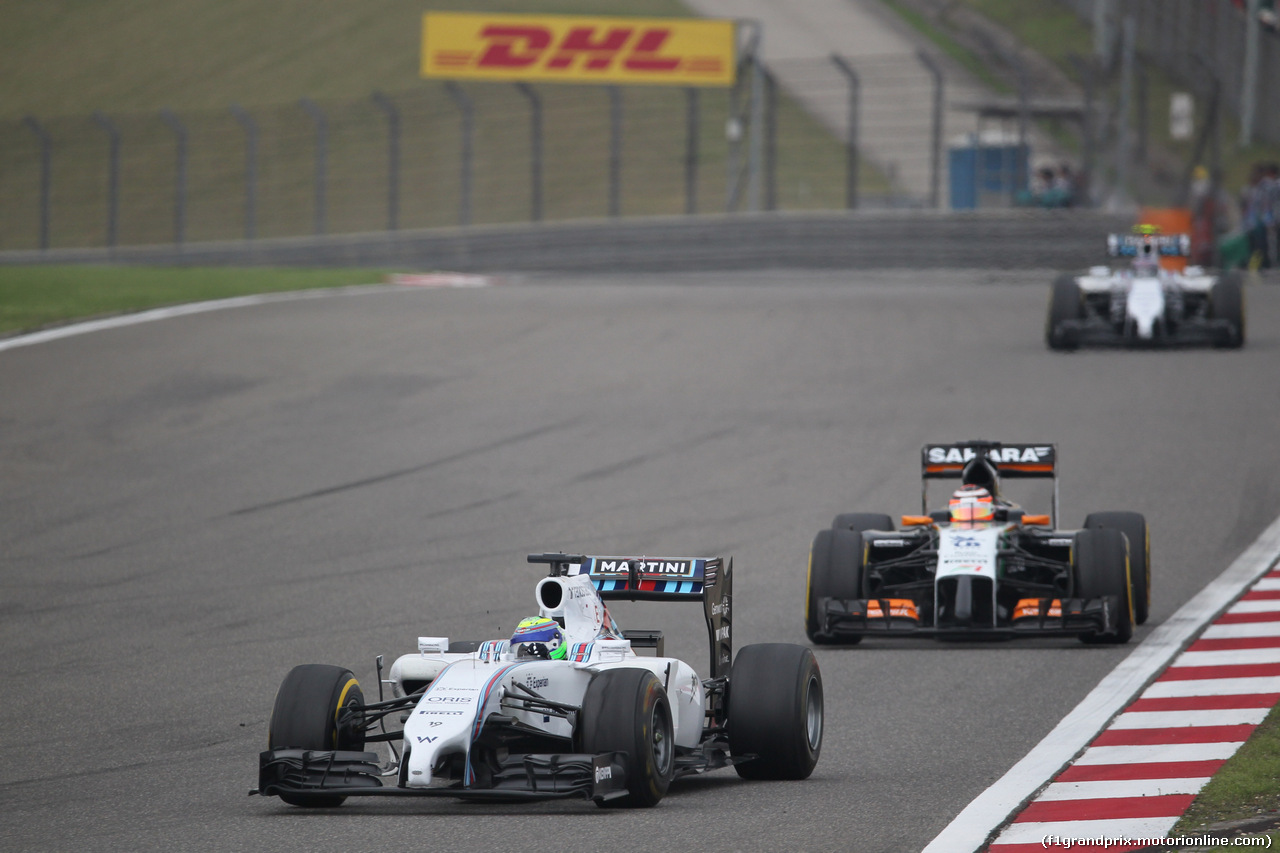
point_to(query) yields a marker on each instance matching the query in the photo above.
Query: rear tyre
(835, 571)
(860, 521)
(626, 710)
(1226, 302)
(1064, 304)
(319, 707)
(1134, 527)
(775, 711)
(1102, 568)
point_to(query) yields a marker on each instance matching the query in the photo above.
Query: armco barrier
(857, 239)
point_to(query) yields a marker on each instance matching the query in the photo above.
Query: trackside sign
(573, 49)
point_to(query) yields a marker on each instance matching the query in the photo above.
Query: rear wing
(705, 579)
(1137, 245)
(982, 461)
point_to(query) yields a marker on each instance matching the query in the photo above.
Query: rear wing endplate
(705, 579)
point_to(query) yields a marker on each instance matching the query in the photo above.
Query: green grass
(61, 60)
(67, 57)
(1247, 786)
(37, 296)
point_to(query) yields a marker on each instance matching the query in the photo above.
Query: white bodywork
(465, 688)
(965, 550)
(1144, 292)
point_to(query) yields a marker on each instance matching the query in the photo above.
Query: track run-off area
(193, 506)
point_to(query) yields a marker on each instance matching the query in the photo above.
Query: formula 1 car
(566, 708)
(1146, 305)
(1013, 575)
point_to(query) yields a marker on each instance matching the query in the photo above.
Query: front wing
(1095, 331)
(853, 618)
(303, 773)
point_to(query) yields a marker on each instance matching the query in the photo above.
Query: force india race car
(1146, 305)
(1015, 575)
(577, 714)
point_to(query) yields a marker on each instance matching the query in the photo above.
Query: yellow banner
(571, 49)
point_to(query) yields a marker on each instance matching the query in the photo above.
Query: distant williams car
(1145, 305)
(995, 571)
(565, 708)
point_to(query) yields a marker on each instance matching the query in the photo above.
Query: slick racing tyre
(317, 707)
(626, 710)
(1064, 304)
(835, 571)
(1134, 527)
(775, 711)
(1226, 302)
(860, 521)
(1102, 568)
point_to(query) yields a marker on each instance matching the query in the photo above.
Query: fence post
(615, 150)
(393, 159)
(113, 177)
(935, 159)
(535, 150)
(468, 132)
(770, 141)
(322, 147)
(691, 151)
(180, 181)
(250, 169)
(851, 143)
(1249, 88)
(46, 175)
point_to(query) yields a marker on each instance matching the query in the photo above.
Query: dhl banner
(572, 49)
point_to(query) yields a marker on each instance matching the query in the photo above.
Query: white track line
(122, 320)
(971, 828)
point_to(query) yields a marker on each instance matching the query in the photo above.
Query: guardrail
(983, 239)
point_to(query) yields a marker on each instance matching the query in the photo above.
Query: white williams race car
(982, 567)
(565, 707)
(1146, 305)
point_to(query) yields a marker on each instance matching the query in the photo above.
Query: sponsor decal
(722, 633)
(721, 609)
(1061, 543)
(1008, 455)
(888, 543)
(581, 592)
(603, 773)
(443, 713)
(533, 683)
(577, 49)
(428, 739)
(966, 542)
(455, 700)
(674, 568)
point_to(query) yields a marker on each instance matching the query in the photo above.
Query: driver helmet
(539, 638)
(972, 503)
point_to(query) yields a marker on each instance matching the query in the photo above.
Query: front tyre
(1102, 569)
(775, 711)
(626, 710)
(1065, 303)
(835, 571)
(1134, 526)
(1226, 302)
(318, 707)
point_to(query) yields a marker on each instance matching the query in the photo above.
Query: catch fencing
(831, 135)
(1199, 42)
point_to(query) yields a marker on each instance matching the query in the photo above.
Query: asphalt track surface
(191, 507)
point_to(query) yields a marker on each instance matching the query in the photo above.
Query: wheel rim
(813, 713)
(663, 745)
